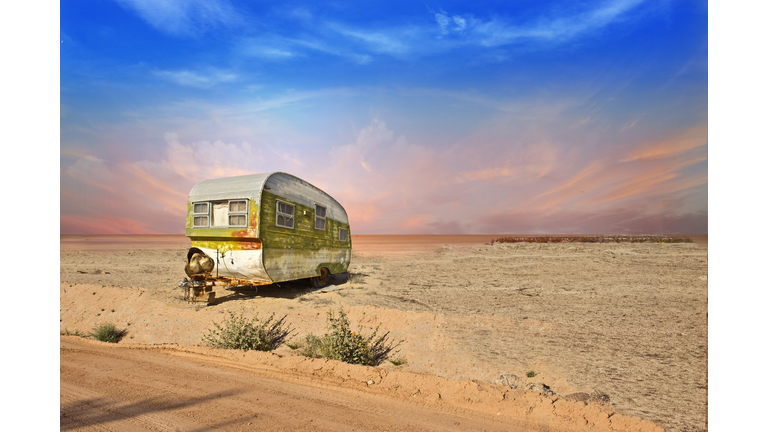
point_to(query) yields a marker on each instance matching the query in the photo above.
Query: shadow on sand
(286, 290)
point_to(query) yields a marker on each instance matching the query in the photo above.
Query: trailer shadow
(286, 290)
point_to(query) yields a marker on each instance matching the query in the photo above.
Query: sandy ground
(627, 319)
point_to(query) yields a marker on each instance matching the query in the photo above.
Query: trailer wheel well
(322, 279)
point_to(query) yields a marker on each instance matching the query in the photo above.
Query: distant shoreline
(363, 243)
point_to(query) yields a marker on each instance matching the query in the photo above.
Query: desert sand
(629, 320)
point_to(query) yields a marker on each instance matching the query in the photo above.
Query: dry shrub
(343, 344)
(238, 332)
(108, 332)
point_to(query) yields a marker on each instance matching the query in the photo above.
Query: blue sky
(497, 117)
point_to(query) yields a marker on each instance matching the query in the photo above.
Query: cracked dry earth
(629, 320)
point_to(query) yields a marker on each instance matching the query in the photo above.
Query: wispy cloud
(268, 48)
(686, 140)
(629, 126)
(470, 30)
(275, 47)
(497, 32)
(383, 42)
(449, 24)
(184, 17)
(196, 79)
(444, 33)
(643, 172)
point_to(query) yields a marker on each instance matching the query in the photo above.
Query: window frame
(324, 218)
(278, 213)
(207, 214)
(345, 235)
(238, 213)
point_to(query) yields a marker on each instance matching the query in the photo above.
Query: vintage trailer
(260, 229)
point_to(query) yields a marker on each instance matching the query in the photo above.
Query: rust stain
(250, 233)
(254, 221)
(252, 243)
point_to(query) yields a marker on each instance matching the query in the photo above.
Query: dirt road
(111, 388)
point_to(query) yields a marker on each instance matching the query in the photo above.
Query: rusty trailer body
(263, 228)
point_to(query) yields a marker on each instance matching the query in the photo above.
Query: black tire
(322, 280)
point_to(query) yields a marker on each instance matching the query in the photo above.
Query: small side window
(284, 215)
(319, 217)
(342, 235)
(238, 213)
(200, 215)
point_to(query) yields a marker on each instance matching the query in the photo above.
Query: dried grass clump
(75, 332)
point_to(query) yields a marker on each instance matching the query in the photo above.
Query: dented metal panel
(239, 264)
(293, 263)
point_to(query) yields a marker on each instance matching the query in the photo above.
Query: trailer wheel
(322, 280)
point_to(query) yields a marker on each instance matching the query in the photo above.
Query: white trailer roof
(247, 186)
(278, 183)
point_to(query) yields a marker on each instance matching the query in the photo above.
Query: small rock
(577, 397)
(596, 396)
(370, 382)
(599, 397)
(540, 388)
(508, 379)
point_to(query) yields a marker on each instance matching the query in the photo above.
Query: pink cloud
(670, 146)
(390, 185)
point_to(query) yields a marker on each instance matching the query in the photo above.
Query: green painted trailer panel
(300, 252)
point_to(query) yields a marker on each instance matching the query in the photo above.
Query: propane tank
(198, 264)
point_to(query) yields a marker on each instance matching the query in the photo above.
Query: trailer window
(284, 214)
(342, 235)
(319, 217)
(219, 214)
(200, 215)
(238, 213)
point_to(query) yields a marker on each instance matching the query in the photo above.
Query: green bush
(108, 332)
(343, 344)
(312, 346)
(237, 332)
